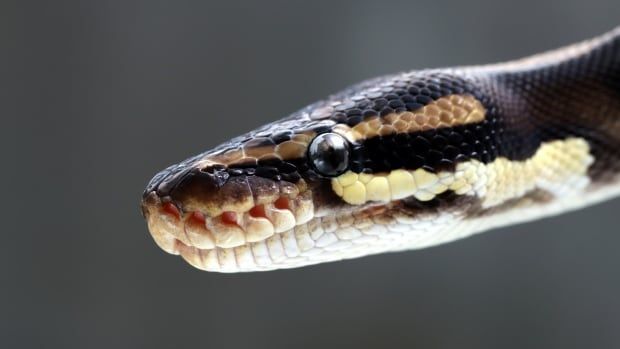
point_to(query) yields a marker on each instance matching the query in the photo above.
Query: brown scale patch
(448, 111)
(264, 149)
(469, 207)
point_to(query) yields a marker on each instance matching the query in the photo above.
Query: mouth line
(175, 229)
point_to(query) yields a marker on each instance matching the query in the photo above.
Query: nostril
(282, 204)
(229, 218)
(258, 212)
(172, 210)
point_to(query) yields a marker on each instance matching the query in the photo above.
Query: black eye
(329, 154)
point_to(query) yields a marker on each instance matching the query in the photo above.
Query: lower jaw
(321, 239)
(306, 245)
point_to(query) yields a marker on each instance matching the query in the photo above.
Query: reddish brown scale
(172, 210)
(196, 218)
(229, 218)
(282, 204)
(258, 211)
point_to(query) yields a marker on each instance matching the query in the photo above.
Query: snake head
(245, 204)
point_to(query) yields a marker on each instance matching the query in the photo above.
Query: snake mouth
(207, 241)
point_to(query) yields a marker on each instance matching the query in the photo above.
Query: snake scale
(401, 162)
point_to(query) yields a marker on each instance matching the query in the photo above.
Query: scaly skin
(421, 158)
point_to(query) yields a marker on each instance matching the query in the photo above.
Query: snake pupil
(329, 154)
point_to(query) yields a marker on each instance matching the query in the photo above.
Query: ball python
(400, 162)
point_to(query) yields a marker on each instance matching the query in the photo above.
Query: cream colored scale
(556, 166)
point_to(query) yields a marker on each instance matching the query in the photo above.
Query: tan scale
(448, 111)
(556, 167)
(294, 148)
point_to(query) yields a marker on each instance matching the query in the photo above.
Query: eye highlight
(329, 154)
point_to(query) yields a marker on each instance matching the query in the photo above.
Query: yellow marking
(424, 179)
(348, 178)
(337, 188)
(378, 189)
(558, 167)
(365, 178)
(355, 193)
(439, 188)
(401, 184)
(448, 111)
(423, 195)
(460, 186)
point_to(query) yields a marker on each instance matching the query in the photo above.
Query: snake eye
(329, 153)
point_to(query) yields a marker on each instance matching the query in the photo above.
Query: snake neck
(570, 92)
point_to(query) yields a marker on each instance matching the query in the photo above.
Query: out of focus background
(97, 96)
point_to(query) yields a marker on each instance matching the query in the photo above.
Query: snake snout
(193, 212)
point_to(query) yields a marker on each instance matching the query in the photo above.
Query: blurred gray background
(97, 96)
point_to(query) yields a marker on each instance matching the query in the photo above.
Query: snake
(400, 162)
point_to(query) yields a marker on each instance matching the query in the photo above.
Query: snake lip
(178, 230)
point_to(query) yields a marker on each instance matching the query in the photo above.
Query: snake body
(401, 162)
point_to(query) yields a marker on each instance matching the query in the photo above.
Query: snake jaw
(190, 228)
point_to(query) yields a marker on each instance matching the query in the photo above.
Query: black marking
(446, 198)
(433, 150)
